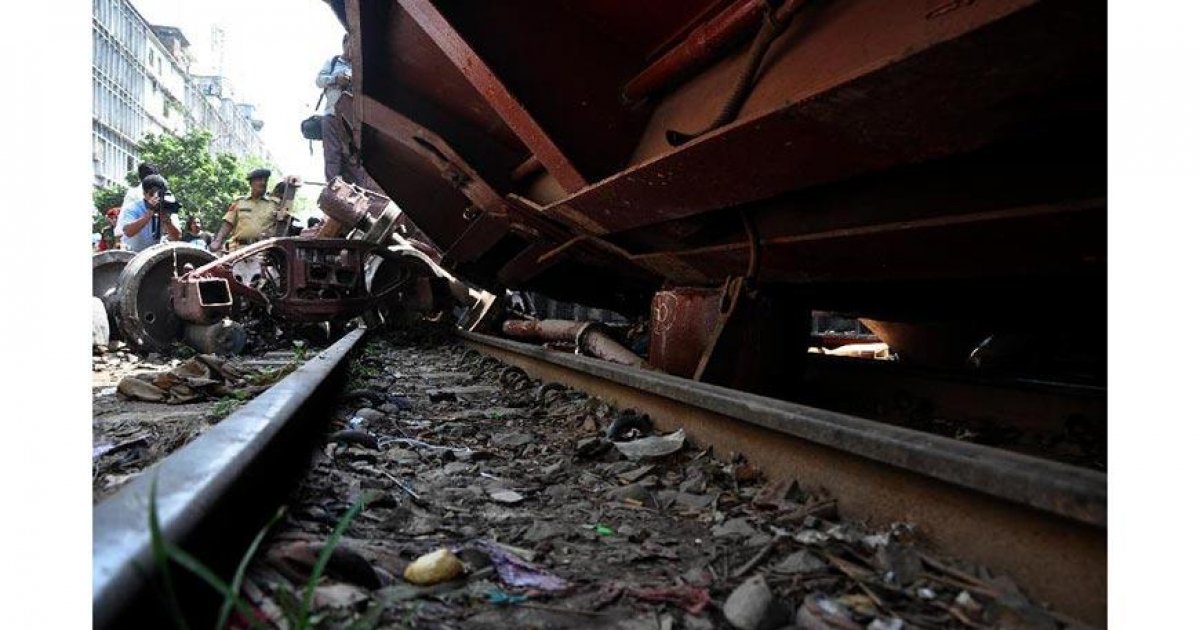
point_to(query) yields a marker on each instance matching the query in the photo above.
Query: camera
(169, 203)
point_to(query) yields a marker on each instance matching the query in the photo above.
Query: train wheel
(146, 317)
(106, 269)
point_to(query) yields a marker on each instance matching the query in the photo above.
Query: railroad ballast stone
(556, 528)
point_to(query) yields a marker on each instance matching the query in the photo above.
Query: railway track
(1042, 523)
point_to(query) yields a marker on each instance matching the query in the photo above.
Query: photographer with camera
(142, 222)
(134, 193)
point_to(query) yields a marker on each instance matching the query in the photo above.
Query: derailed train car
(934, 167)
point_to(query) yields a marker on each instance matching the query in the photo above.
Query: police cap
(259, 173)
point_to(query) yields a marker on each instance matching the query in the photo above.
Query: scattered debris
(107, 448)
(653, 446)
(591, 447)
(517, 572)
(629, 421)
(545, 524)
(100, 327)
(201, 377)
(352, 436)
(434, 568)
(752, 606)
(635, 474)
(777, 495)
(820, 611)
(507, 496)
(800, 563)
(693, 599)
(338, 596)
(900, 562)
(734, 528)
(296, 560)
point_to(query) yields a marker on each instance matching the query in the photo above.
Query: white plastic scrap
(653, 446)
(810, 537)
(875, 541)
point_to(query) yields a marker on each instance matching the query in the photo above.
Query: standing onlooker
(134, 194)
(136, 223)
(108, 234)
(250, 217)
(195, 235)
(334, 78)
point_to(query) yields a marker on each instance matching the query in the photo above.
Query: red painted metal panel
(486, 82)
(683, 321)
(940, 96)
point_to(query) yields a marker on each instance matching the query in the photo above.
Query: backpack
(310, 127)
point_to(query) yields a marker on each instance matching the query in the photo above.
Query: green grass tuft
(323, 559)
(165, 552)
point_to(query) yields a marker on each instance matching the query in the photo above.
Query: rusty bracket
(759, 339)
(202, 299)
(731, 295)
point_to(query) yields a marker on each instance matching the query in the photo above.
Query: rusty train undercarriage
(719, 171)
(724, 168)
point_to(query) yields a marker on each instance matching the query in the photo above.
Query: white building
(141, 85)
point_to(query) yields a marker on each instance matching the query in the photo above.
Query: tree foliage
(204, 183)
(108, 197)
(103, 199)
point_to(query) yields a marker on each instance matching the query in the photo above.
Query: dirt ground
(129, 435)
(562, 512)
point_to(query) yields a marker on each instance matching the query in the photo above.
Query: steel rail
(1042, 522)
(215, 491)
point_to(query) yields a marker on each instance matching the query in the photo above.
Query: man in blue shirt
(137, 218)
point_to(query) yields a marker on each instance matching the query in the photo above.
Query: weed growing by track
(166, 552)
(227, 405)
(361, 370)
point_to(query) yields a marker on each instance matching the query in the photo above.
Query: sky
(272, 55)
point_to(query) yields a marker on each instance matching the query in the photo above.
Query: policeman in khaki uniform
(249, 218)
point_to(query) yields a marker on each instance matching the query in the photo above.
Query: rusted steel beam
(701, 46)
(1041, 522)
(497, 94)
(354, 18)
(808, 122)
(526, 169)
(484, 232)
(586, 336)
(1057, 237)
(524, 266)
(452, 167)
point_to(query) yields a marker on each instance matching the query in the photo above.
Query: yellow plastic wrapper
(433, 568)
